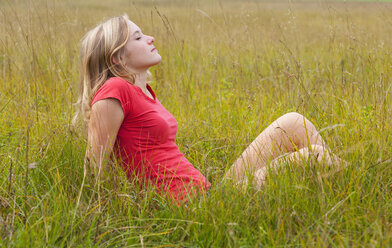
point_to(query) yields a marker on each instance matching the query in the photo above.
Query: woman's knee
(297, 127)
(294, 115)
(294, 120)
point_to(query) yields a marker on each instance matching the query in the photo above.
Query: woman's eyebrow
(137, 31)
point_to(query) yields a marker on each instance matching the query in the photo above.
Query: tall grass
(228, 70)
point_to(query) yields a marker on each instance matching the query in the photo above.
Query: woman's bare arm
(105, 120)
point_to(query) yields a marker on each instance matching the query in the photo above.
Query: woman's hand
(105, 120)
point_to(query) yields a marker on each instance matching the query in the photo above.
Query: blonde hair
(100, 46)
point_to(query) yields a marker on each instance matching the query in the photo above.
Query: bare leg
(289, 133)
(318, 152)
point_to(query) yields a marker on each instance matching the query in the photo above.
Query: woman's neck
(141, 80)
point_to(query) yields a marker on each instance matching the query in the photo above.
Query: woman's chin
(158, 60)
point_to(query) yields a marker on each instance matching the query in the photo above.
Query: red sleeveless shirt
(145, 142)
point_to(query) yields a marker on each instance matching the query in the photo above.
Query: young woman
(124, 117)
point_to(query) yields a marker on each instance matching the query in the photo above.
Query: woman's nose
(150, 40)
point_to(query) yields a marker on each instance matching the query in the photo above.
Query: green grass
(229, 69)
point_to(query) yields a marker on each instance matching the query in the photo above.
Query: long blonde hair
(100, 46)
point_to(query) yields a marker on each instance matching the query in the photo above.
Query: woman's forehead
(132, 27)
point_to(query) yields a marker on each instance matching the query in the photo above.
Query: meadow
(229, 69)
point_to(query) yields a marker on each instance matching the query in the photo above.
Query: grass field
(229, 69)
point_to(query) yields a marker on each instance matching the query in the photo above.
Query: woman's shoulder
(117, 82)
(117, 88)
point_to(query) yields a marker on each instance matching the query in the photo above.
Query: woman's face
(139, 52)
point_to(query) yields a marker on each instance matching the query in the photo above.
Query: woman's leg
(289, 133)
(318, 152)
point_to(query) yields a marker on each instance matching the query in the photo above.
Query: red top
(145, 142)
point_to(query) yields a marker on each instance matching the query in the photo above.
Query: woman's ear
(115, 60)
